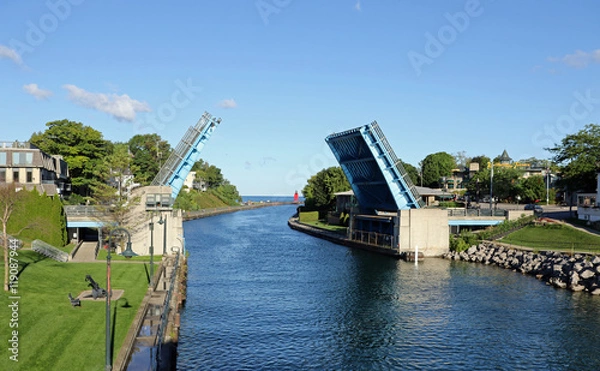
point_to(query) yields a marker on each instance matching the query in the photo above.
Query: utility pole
(547, 183)
(492, 186)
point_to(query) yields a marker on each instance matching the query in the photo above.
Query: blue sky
(472, 76)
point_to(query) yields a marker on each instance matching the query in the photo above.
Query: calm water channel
(264, 297)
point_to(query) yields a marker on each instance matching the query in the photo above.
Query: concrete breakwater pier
(204, 213)
(576, 272)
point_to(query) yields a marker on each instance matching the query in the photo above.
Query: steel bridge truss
(180, 162)
(376, 175)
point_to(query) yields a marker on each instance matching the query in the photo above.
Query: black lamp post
(128, 253)
(151, 253)
(164, 224)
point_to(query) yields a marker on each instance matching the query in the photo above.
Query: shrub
(463, 241)
(38, 216)
(458, 244)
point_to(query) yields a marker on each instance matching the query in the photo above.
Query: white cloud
(357, 6)
(36, 91)
(6, 52)
(228, 103)
(579, 59)
(121, 107)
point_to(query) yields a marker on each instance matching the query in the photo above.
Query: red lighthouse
(296, 200)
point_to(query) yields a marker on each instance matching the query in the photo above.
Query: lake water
(264, 297)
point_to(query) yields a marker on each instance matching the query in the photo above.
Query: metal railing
(373, 238)
(85, 210)
(49, 251)
(397, 163)
(477, 212)
(164, 316)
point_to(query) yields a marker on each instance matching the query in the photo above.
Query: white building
(588, 204)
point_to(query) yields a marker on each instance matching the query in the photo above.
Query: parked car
(536, 208)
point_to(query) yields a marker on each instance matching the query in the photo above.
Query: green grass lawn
(53, 335)
(554, 237)
(333, 228)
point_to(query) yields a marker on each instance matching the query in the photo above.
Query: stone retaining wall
(578, 272)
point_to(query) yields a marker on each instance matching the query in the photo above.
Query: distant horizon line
(271, 195)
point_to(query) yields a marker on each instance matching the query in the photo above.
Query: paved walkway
(86, 253)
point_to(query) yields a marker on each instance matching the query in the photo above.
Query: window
(3, 158)
(22, 158)
(16, 176)
(2, 175)
(29, 176)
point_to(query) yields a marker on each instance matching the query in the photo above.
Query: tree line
(575, 160)
(102, 170)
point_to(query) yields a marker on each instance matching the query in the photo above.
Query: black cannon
(74, 301)
(97, 291)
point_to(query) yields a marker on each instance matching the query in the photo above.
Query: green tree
(413, 172)
(83, 148)
(435, 167)
(479, 184)
(578, 155)
(228, 193)
(149, 153)
(504, 187)
(505, 182)
(210, 174)
(116, 177)
(482, 160)
(319, 192)
(38, 216)
(531, 189)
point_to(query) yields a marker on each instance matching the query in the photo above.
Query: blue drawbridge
(376, 175)
(180, 162)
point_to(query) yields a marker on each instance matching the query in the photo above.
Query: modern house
(192, 183)
(29, 167)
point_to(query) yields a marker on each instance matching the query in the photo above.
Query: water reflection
(262, 296)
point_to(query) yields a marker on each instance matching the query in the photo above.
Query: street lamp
(128, 253)
(164, 224)
(181, 239)
(151, 252)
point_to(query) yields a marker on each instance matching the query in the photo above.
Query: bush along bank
(575, 272)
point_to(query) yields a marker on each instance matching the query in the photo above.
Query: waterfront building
(28, 167)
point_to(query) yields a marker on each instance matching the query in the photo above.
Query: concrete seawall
(340, 239)
(151, 342)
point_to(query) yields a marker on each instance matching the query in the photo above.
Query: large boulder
(587, 274)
